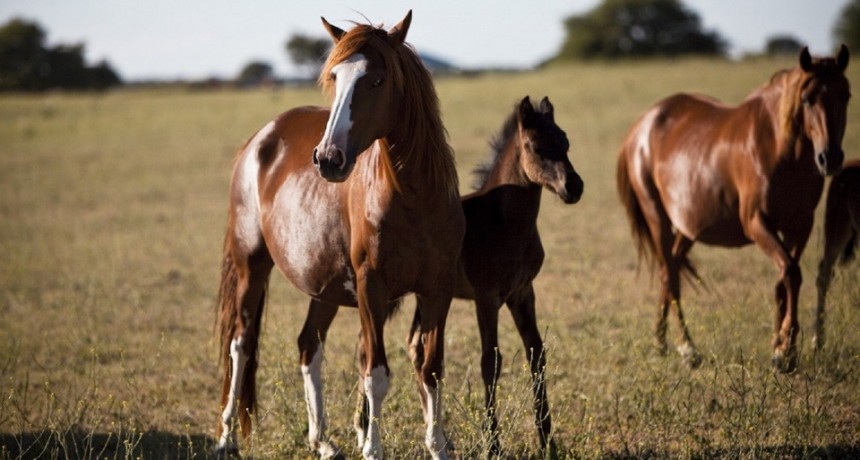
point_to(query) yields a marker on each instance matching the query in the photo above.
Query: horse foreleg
(522, 307)
(837, 236)
(311, 343)
(372, 302)
(491, 366)
(785, 319)
(433, 314)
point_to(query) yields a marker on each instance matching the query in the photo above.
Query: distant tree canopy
(255, 73)
(307, 52)
(847, 28)
(27, 65)
(638, 28)
(782, 44)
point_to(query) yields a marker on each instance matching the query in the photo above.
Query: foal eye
(377, 83)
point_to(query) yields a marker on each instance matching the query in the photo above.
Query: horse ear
(546, 107)
(526, 110)
(335, 32)
(805, 59)
(842, 58)
(398, 32)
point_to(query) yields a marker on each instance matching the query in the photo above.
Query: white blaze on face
(346, 75)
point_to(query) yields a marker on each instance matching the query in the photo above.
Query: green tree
(255, 73)
(783, 44)
(307, 52)
(27, 65)
(628, 28)
(847, 27)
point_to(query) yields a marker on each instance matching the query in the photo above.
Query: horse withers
(384, 220)
(693, 169)
(841, 230)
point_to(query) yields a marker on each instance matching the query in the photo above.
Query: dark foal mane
(427, 142)
(497, 145)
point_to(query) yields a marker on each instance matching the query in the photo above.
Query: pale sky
(167, 39)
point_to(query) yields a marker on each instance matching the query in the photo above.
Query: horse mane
(426, 142)
(497, 146)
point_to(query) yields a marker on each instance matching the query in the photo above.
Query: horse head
(543, 151)
(824, 94)
(367, 94)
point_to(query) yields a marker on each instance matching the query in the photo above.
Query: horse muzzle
(332, 163)
(829, 161)
(573, 188)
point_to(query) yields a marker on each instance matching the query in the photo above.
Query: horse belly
(308, 239)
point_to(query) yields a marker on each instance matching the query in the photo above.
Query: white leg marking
(375, 387)
(239, 358)
(434, 438)
(317, 438)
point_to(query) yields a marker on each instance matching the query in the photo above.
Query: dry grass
(112, 213)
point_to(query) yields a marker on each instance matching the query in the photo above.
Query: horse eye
(377, 83)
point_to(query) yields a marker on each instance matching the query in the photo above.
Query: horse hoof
(785, 364)
(691, 357)
(225, 452)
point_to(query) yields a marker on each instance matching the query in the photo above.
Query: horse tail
(639, 226)
(245, 269)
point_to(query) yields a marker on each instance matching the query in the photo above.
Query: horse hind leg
(522, 307)
(242, 297)
(311, 343)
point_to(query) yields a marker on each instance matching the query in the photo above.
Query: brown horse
(386, 221)
(841, 230)
(692, 169)
(502, 251)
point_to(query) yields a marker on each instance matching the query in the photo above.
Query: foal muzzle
(829, 161)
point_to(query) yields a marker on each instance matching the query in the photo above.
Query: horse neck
(506, 171)
(421, 159)
(780, 107)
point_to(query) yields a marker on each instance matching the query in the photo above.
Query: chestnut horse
(693, 169)
(502, 251)
(386, 221)
(841, 229)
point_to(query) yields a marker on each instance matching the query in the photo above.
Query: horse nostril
(315, 159)
(821, 159)
(338, 159)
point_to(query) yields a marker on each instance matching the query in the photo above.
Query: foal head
(543, 151)
(363, 74)
(823, 93)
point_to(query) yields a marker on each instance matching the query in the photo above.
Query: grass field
(112, 213)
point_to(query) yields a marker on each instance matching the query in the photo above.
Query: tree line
(26, 64)
(614, 29)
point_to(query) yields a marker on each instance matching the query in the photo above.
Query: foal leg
(432, 313)
(243, 290)
(522, 307)
(311, 342)
(487, 310)
(837, 236)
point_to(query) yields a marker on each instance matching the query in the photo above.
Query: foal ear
(397, 34)
(335, 32)
(547, 108)
(526, 110)
(805, 59)
(842, 58)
